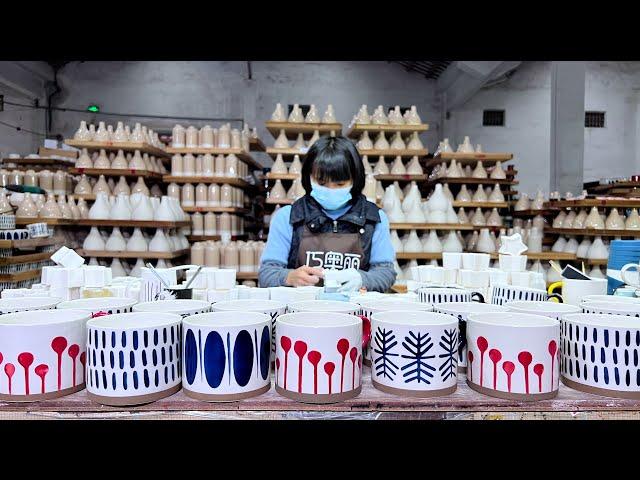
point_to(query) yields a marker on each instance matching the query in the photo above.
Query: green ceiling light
(93, 108)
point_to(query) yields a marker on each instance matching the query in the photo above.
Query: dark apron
(337, 251)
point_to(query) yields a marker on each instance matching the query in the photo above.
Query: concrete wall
(22, 82)
(609, 152)
(526, 98)
(222, 89)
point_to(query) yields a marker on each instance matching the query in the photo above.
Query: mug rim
(134, 321)
(227, 318)
(601, 320)
(40, 318)
(414, 318)
(513, 320)
(318, 320)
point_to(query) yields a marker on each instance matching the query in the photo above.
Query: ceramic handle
(623, 271)
(550, 293)
(479, 296)
(366, 331)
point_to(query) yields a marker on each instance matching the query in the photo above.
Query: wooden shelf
(550, 256)
(238, 152)
(494, 256)
(40, 161)
(532, 213)
(595, 202)
(595, 261)
(419, 256)
(29, 258)
(30, 242)
(114, 146)
(430, 226)
(282, 176)
(481, 204)
(395, 153)
(89, 197)
(405, 130)
(246, 275)
(470, 180)
(286, 152)
(204, 238)
(236, 210)
(292, 129)
(128, 223)
(401, 178)
(116, 172)
(592, 232)
(48, 221)
(19, 277)
(257, 145)
(236, 182)
(470, 158)
(119, 254)
(284, 201)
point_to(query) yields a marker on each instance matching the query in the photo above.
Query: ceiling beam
(462, 80)
(23, 82)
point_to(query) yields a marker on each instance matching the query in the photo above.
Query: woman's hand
(304, 276)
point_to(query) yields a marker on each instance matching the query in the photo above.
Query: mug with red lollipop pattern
(513, 355)
(319, 356)
(42, 354)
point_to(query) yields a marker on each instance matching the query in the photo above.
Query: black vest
(361, 218)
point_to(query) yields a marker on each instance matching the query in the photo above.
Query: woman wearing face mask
(332, 227)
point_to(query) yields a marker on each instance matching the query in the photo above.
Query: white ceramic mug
(226, 355)
(398, 364)
(133, 358)
(574, 290)
(520, 279)
(513, 355)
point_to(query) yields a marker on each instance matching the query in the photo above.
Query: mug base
(230, 397)
(523, 397)
(415, 393)
(40, 396)
(603, 392)
(321, 398)
(135, 400)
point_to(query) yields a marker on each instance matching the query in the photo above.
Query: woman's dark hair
(334, 159)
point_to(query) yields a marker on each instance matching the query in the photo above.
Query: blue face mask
(330, 198)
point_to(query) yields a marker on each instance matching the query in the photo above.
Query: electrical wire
(20, 129)
(129, 115)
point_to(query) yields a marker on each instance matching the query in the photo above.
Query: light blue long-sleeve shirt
(275, 257)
